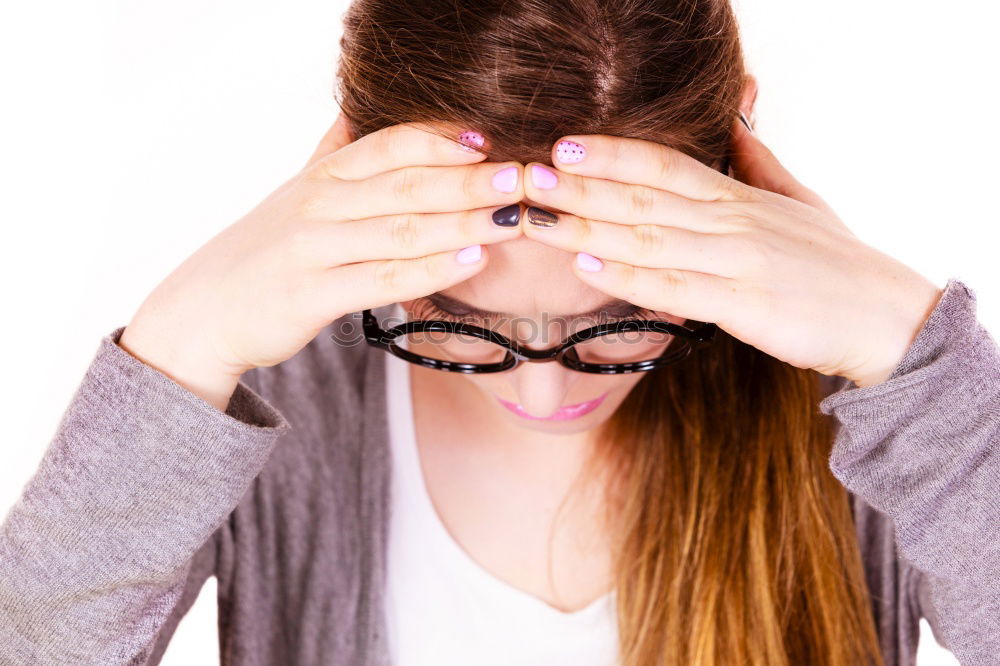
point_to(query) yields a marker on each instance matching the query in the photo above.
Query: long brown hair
(735, 544)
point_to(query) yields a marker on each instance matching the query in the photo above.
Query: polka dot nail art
(570, 152)
(469, 139)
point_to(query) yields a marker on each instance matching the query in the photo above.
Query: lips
(564, 413)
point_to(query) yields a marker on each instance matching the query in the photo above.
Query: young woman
(395, 411)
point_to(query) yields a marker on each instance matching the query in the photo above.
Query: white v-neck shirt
(442, 607)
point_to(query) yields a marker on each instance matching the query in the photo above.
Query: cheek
(487, 386)
(623, 384)
(484, 382)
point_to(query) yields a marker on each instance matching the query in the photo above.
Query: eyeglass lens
(621, 347)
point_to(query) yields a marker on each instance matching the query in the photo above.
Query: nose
(541, 387)
(540, 334)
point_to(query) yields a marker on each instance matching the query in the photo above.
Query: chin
(582, 424)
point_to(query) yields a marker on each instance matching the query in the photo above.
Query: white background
(133, 131)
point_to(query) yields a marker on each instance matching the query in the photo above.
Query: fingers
(424, 189)
(612, 201)
(641, 162)
(338, 136)
(394, 147)
(407, 235)
(371, 284)
(647, 245)
(684, 294)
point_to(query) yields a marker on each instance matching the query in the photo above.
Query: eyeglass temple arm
(374, 333)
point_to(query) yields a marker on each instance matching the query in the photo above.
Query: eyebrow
(616, 307)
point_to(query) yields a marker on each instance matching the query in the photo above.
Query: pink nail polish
(469, 255)
(570, 152)
(543, 178)
(505, 180)
(588, 262)
(470, 139)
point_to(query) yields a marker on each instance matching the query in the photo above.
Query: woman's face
(534, 287)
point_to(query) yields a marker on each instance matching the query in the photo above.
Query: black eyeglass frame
(562, 353)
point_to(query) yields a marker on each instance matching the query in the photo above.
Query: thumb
(755, 164)
(338, 136)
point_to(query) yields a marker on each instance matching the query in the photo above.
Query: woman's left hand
(761, 256)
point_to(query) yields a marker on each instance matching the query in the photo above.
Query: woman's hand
(365, 223)
(765, 259)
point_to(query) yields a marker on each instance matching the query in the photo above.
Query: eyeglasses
(629, 345)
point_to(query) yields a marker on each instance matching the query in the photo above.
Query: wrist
(864, 381)
(900, 336)
(194, 371)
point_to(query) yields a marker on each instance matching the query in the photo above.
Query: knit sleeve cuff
(247, 411)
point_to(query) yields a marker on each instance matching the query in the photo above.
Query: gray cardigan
(146, 490)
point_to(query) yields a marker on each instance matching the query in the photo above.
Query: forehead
(528, 278)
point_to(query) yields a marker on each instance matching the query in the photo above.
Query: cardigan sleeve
(922, 448)
(97, 551)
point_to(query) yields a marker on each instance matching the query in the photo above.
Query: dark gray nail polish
(507, 216)
(541, 218)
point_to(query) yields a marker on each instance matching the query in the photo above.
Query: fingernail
(469, 255)
(541, 218)
(570, 152)
(505, 180)
(588, 262)
(543, 178)
(746, 122)
(469, 139)
(508, 216)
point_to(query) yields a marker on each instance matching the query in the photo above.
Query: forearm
(139, 474)
(922, 447)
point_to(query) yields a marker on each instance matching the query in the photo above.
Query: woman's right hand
(364, 224)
